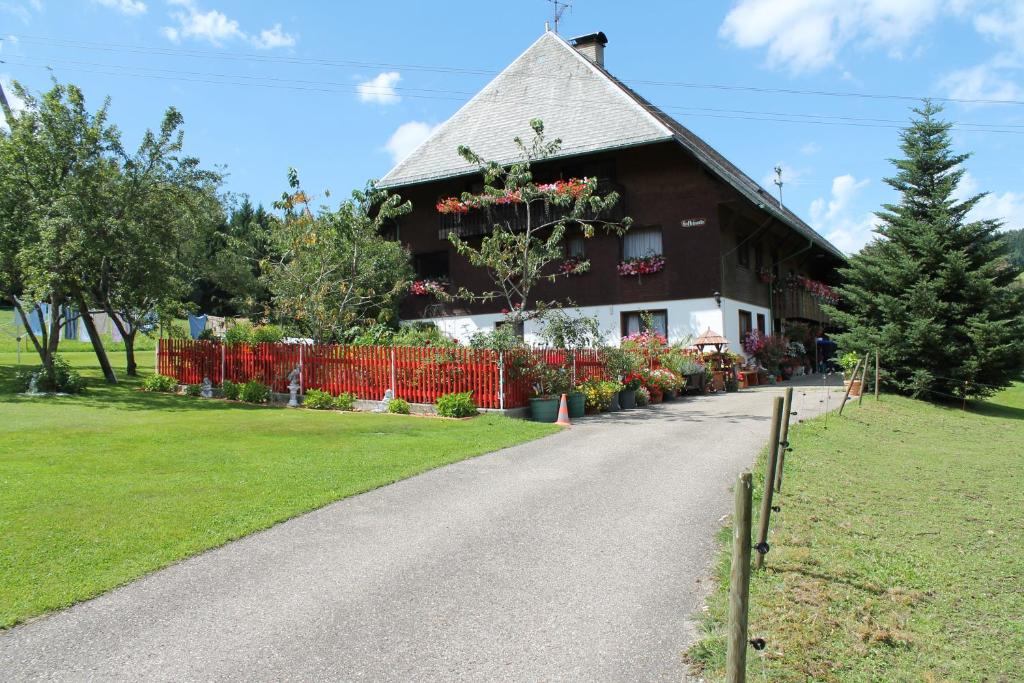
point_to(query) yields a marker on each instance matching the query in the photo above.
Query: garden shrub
(161, 383)
(254, 391)
(318, 400)
(266, 334)
(229, 389)
(62, 379)
(643, 397)
(456, 405)
(239, 333)
(399, 406)
(599, 393)
(345, 401)
(194, 390)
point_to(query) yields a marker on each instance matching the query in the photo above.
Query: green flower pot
(544, 409)
(627, 399)
(577, 404)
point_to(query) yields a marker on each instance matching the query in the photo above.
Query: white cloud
(129, 7)
(834, 218)
(270, 38)
(808, 35)
(810, 148)
(790, 176)
(408, 137)
(17, 10)
(1003, 25)
(380, 89)
(1007, 207)
(982, 82)
(217, 28)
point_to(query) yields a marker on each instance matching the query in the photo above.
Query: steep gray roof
(551, 81)
(582, 104)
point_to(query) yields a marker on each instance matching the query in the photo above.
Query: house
(723, 238)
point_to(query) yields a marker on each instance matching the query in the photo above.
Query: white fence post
(573, 368)
(302, 366)
(501, 380)
(223, 364)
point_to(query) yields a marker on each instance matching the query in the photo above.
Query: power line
(333, 87)
(209, 54)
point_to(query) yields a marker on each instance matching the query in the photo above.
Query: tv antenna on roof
(778, 182)
(559, 10)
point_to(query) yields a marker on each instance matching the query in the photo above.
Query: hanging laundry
(196, 325)
(71, 323)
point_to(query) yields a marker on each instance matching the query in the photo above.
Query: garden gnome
(383, 407)
(207, 391)
(293, 387)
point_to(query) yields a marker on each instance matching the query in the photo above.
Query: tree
(145, 253)
(932, 292)
(54, 166)
(234, 253)
(520, 248)
(335, 271)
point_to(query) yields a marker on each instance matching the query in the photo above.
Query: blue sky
(339, 89)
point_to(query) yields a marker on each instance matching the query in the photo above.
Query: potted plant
(627, 397)
(549, 383)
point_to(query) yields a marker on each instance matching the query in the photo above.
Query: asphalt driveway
(582, 556)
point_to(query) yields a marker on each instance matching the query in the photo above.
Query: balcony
(479, 222)
(798, 303)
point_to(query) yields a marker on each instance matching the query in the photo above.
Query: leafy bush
(456, 405)
(194, 390)
(266, 334)
(207, 335)
(849, 361)
(599, 393)
(161, 383)
(239, 333)
(345, 401)
(399, 406)
(422, 334)
(643, 397)
(503, 338)
(229, 389)
(62, 378)
(318, 400)
(254, 391)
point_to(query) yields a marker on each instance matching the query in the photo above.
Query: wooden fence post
(846, 396)
(863, 380)
(739, 583)
(501, 380)
(784, 438)
(223, 362)
(394, 389)
(876, 374)
(769, 482)
(302, 368)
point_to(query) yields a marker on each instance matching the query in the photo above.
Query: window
(518, 327)
(574, 247)
(641, 243)
(760, 323)
(633, 322)
(742, 252)
(433, 265)
(758, 257)
(746, 324)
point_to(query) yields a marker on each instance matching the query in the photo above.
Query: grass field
(98, 489)
(897, 555)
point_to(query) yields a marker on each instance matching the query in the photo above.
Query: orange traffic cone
(563, 413)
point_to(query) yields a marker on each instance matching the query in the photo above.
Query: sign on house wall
(692, 222)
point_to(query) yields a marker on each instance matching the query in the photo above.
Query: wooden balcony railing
(798, 303)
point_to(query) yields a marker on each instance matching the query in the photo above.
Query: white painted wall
(686, 318)
(731, 314)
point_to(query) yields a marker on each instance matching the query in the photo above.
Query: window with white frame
(641, 243)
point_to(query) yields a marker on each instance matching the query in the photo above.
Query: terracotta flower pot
(854, 386)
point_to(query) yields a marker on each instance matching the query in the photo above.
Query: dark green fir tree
(933, 291)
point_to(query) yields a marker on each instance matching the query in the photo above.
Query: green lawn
(99, 489)
(898, 552)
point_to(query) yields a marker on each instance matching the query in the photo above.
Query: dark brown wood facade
(713, 239)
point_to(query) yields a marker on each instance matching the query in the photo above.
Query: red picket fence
(417, 374)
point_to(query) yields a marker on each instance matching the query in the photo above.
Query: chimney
(591, 46)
